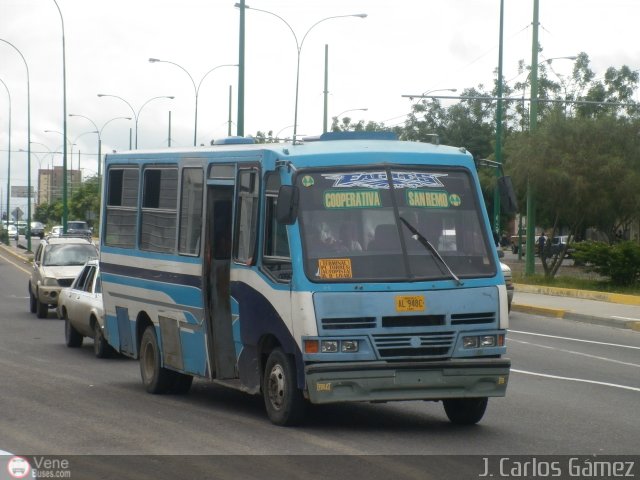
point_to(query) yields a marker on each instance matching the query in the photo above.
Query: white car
(12, 231)
(508, 280)
(81, 308)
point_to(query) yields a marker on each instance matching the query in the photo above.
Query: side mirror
(508, 199)
(287, 207)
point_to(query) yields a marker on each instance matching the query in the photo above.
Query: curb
(577, 317)
(584, 294)
(26, 257)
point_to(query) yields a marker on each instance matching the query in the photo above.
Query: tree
(85, 202)
(581, 173)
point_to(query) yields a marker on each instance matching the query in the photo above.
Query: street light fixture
(28, 146)
(99, 132)
(136, 115)
(351, 110)
(196, 89)
(299, 49)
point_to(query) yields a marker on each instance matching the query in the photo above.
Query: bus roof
(305, 153)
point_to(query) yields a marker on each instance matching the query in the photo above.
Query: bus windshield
(392, 224)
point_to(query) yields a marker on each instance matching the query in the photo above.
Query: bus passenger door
(216, 271)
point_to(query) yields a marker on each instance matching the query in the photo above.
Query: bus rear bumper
(381, 381)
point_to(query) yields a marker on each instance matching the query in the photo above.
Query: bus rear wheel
(155, 378)
(465, 411)
(283, 399)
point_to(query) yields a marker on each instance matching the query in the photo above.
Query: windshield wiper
(427, 244)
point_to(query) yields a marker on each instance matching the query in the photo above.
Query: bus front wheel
(465, 411)
(283, 399)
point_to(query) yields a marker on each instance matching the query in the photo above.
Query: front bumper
(49, 295)
(382, 381)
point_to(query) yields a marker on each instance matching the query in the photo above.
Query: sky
(402, 47)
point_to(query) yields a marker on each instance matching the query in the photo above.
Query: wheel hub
(276, 387)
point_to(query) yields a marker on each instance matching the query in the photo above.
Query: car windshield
(426, 224)
(68, 254)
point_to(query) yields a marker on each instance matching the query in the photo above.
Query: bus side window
(246, 221)
(191, 211)
(276, 242)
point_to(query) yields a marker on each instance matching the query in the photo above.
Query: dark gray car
(78, 227)
(37, 229)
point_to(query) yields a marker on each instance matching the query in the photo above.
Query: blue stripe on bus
(180, 294)
(152, 275)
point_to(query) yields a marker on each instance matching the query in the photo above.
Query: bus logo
(323, 387)
(18, 467)
(379, 180)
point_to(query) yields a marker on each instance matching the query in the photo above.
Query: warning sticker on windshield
(334, 268)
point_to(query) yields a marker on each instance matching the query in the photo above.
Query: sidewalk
(610, 309)
(613, 310)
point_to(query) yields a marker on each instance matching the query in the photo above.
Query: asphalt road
(574, 389)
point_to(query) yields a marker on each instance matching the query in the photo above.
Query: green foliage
(620, 262)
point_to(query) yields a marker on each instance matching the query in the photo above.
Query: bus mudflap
(382, 381)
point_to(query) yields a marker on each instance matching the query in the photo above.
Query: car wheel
(101, 347)
(155, 378)
(465, 411)
(282, 398)
(33, 306)
(42, 309)
(72, 337)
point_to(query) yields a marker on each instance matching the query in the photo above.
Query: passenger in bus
(386, 238)
(348, 241)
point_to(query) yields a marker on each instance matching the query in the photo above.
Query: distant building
(50, 184)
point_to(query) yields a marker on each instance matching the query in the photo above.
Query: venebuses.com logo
(18, 467)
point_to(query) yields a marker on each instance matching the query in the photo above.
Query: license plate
(410, 303)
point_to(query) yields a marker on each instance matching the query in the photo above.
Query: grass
(576, 283)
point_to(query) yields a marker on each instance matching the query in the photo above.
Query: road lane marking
(12, 262)
(626, 318)
(582, 380)
(575, 339)
(577, 353)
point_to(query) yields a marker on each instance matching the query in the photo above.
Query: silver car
(56, 264)
(81, 308)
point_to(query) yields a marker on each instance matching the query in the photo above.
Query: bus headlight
(350, 346)
(329, 346)
(488, 341)
(470, 342)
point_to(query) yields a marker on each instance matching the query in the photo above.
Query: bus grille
(348, 323)
(472, 318)
(414, 321)
(424, 345)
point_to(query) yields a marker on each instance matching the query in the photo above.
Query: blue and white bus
(336, 269)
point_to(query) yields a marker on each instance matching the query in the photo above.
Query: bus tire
(72, 337)
(465, 411)
(181, 383)
(155, 378)
(283, 399)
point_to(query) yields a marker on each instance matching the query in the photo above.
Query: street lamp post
(196, 89)
(28, 230)
(136, 115)
(99, 132)
(299, 46)
(65, 208)
(8, 158)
